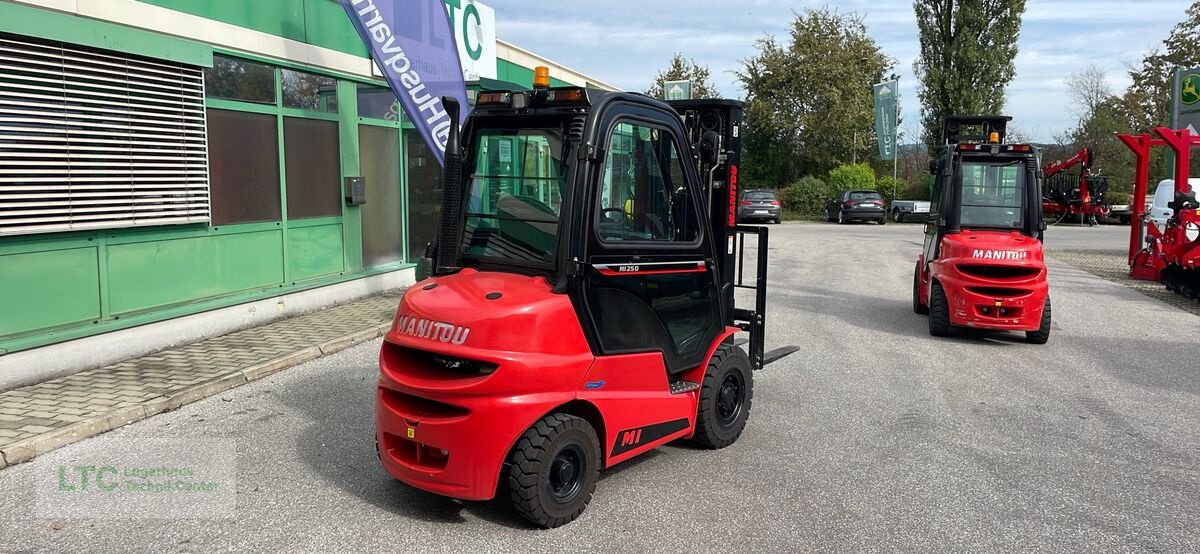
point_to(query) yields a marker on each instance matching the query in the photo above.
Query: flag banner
(885, 119)
(412, 43)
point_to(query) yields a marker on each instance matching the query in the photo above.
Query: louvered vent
(92, 140)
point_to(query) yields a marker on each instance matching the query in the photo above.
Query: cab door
(649, 284)
(938, 208)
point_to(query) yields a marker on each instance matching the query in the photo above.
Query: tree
(1099, 117)
(682, 69)
(966, 59)
(1147, 102)
(1088, 90)
(808, 97)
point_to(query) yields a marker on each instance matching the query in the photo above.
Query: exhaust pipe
(450, 229)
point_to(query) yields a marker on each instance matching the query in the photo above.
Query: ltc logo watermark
(139, 478)
(134, 479)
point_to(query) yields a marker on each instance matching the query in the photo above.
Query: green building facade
(176, 156)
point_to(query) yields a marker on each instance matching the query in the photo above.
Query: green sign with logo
(1185, 100)
(677, 90)
(1189, 89)
(885, 118)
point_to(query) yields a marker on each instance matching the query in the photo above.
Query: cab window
(993, 195)
(515, 196)
(643, 193)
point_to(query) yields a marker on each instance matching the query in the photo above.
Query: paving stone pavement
(120, 392)
(1113, 265)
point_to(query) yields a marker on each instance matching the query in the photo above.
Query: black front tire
(897, 216)
(778, 220)
(725, 398)
(918, 307)
(939, 311)
(553, 469)
(841, 218)
(883, 220)
(1043, 333)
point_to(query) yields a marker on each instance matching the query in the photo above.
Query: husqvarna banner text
(412, 43)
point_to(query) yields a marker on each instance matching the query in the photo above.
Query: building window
(306, 91)
(312, 157)
(378, 103)
(379, 164)
(236, 79)
(423, 178)
(95, 139)
(244, 161)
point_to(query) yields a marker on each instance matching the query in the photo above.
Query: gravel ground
(874, 437)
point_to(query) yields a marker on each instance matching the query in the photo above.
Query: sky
(626, 43)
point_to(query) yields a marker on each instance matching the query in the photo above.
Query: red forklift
(581, 309)
(1069, 195)
(982, 264)
(1170, 255)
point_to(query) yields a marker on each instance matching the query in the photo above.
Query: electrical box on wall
(356, 191)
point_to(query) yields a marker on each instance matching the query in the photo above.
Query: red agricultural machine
(1171, 254)
(1068, 194)
(982, 264)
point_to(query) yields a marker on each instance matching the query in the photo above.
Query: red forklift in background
(982, 265)
(1170, 255)
(581, 310)
(1068, 194)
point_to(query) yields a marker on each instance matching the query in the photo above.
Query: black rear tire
(897, 216)
(553, 469)
(725, 398)
(939, 311)
(1043, 333)
(841, 218)
(918, 307)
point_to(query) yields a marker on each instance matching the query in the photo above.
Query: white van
(1160, 211)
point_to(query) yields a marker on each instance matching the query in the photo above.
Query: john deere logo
(1190, 89)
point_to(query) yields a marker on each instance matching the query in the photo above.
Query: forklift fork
(753, 321)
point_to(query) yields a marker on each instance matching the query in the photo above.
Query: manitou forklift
(581, 309)
(982, 263)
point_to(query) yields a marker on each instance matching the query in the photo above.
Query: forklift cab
(981, 183)
(599, 193)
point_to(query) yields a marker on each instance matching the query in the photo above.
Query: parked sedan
(760, 205)
(856, 205)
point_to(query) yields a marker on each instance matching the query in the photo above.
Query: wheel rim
(567, 471)
(729, 399)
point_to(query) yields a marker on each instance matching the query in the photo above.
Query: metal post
(854, 149)
(896, 138)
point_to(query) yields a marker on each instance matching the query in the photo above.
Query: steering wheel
(604, 212)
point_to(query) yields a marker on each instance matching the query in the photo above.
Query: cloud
(626, 42)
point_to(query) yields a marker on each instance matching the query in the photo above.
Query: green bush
(806, 196)
(891, 188)
(852, 177)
